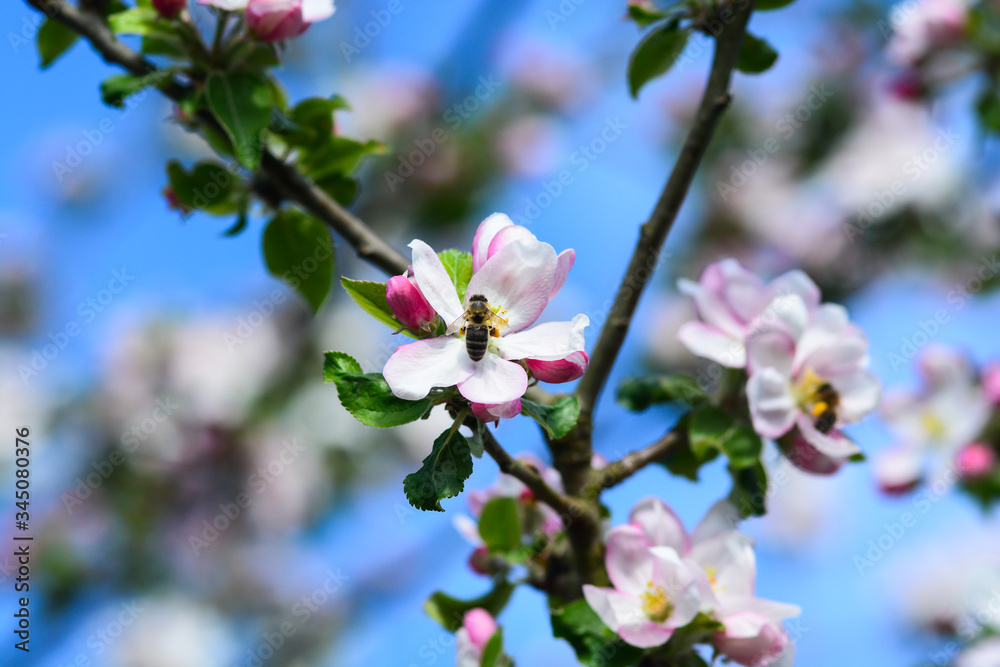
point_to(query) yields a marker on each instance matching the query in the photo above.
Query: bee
(824, 409)
(477, 324)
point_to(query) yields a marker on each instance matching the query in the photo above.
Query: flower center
(817, 398)
(713, 579)
(934, 426)
(655, 603)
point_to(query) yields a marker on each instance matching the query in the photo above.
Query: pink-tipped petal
(770, 348)
(494, 380)
(859, 392)
(414, 369)
(275, 20)
(518, 280)
(549, 341)
(794, 282)
(833, 444)
(804, 456)
(495, 411)
(662, 527)
(752, 640)
(628, 560)
(561, 370)
(487, 229)
(564, 262)
(435, 283)
(506, 236)
(899, 470)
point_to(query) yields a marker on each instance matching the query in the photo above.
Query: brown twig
(284, 177)
(618, 471)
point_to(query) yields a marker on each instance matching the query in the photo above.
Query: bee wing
(457, 324)
(498, 322)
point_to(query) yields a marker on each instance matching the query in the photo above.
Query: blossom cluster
(270, 20)
(944, 424)
(517, 275)
(663, 578)
(807, 364)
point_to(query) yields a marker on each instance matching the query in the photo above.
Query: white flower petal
(661, 525)
(518, 279)
(859, 393)
(771, 348)
(628, 559)
(564, 262)
(709, 342)
(833, 444)
(414, 369)
(772, 406)
(435, 283)
(548, 342)
(317, 10)
(494, 380)
(722, 518)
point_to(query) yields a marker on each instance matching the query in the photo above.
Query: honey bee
(824, 409)
(477, 324)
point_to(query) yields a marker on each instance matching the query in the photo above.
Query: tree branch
(570, 509)
(617, 472)
(284, 177)
(653, 234)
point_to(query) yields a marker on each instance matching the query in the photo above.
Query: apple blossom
(808, 370)
(655, 591)
(518, 275)
(728, 298)
(725, 561)
(540, 516)
(275, 20)
(947, 414)
(478, 627)
(923, 26)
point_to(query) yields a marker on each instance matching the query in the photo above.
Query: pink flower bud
(479, 561)
(408, 303)
(561, 370)
(751, 639)
(168, 9)
(480, 626)
(497, 411)
(275, 20)
(976, 459)
(991, 383)
(807, 458)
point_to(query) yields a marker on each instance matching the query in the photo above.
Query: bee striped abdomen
(477, 339)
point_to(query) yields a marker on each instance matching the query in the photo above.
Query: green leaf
(442, 475)
(749, 492)
(342, 188)
(595, 644)
(557, 419)
(312, 120)
(337, 155)
(458, 264)
(143, 21)
(209, 186)
(371, 297)
(242, 102)
(713, 428)
(298, 249)
(493, 651)
(158, 45)
(655, 55)
(988, 107)
(54, 39)
(115, 89)
(500, 525)
(476, 441)
(765, 5)
(367, 396)
(637, 394)
(449, 611)
(756, 55)
(681, 645)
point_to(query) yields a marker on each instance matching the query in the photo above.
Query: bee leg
(462, 331)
